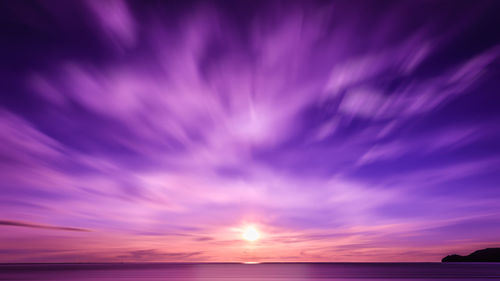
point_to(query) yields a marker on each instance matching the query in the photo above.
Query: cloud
(446, 139)
(41, 226)
(115, 21)
(155, 255)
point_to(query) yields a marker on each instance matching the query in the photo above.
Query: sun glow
(250, 233)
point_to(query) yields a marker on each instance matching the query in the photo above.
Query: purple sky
(157, 131)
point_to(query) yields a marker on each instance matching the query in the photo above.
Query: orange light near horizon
(251, 234)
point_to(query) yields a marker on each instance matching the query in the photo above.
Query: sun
(251, 234)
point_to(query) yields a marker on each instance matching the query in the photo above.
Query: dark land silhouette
(485, 255)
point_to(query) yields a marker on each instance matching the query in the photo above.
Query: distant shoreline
(485, 255)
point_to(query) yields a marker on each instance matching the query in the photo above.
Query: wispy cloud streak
(42, 226)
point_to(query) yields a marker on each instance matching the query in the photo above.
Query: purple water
(267, 272)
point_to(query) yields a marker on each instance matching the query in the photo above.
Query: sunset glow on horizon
(248, 131)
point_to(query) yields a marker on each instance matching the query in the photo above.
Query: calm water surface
(258, 272)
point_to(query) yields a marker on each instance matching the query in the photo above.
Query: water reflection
(264, 271)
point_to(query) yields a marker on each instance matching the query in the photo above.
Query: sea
(248, 272)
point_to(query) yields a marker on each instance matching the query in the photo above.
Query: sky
(139, 131)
